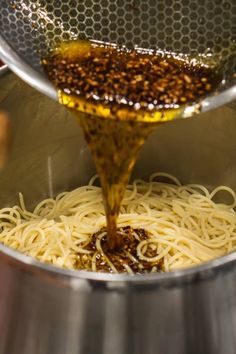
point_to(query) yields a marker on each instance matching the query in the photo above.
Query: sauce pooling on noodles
(164, 227)
(121, 260)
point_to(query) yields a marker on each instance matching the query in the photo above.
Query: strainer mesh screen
(198, 26)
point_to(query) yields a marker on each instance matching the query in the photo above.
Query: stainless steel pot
(45, 310)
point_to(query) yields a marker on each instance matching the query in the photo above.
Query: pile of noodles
(185, 226)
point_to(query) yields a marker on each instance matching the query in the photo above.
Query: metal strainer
(197, 27)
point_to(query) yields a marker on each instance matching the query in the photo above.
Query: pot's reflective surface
(50, 312)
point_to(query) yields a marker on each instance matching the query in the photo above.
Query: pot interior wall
(49, 153)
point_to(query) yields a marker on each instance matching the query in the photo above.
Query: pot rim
(36, 80)
(181, 275)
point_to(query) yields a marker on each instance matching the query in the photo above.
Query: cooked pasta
(171, 226)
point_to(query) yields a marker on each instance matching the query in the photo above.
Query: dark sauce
(127, 256)
(119, 96)
(115, 82)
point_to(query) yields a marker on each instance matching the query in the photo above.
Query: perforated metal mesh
(197, 26)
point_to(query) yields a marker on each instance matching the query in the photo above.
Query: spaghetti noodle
(164, 226)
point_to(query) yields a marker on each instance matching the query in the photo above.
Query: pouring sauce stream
(119, 96)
